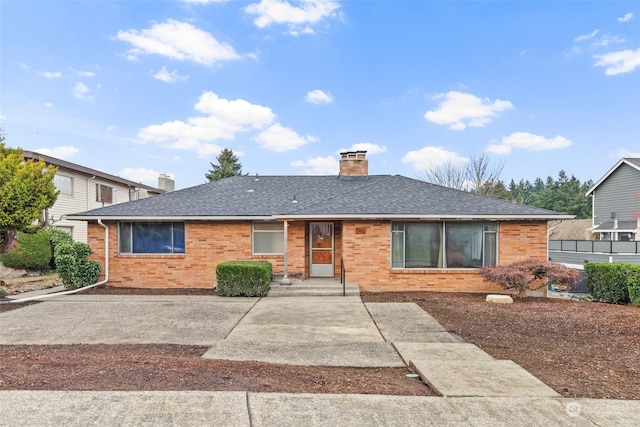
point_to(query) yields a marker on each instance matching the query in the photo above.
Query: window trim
(172, 253)
(443, 244)
(253, 237)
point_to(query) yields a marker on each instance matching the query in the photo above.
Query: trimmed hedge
(243, 278)
(73, 267)
(613, 283)
(633, 280)
(56, 237)
(31, 252)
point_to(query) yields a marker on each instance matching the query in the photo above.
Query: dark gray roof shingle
(320, 196)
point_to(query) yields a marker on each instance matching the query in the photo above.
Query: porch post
(285, 279)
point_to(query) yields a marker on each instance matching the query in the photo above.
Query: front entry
(321, 249)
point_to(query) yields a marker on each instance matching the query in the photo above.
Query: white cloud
(529, 142)
(3, 117)
(168, 76)
(222, 119)
(366, 146)
(627, 153)
(84, 73)
(64, 152)
(318, 165)
(626, 18)
(299, 19)
(623, 61)
(428, 157)
(50, 75)
(459, 110)
(48, 104)
(237, 112)
(279, 138)
(146, 176)
(317, 96)
(204, 1)
(82, 92)
(606, 40)
(586, 36)
(177, 40)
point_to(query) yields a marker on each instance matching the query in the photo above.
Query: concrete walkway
(476, 389)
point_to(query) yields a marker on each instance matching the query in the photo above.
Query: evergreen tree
(564, 194)
(26, 190)
(228, 165)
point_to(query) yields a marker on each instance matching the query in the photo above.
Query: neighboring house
(388, 231)
(616, 202)
(615, 224)
(575, 229)
(82, 188)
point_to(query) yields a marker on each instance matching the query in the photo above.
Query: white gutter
(325, 216)
(172, 218)
(427, 217)
(73, 291)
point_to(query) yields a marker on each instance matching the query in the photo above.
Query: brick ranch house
(390, 232)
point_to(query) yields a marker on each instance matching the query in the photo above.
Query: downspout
(73, 291)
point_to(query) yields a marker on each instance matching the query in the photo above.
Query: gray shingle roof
(318, 196)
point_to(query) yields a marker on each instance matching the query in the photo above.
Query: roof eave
(166, 218)
(426, 217)
(322, 217)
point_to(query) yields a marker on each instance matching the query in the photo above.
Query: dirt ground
(580, 349)
(30, 283)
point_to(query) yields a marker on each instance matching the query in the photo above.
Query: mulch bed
(180, 367)
(580, 349)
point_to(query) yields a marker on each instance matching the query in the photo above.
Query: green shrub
(633, 281)
(3, 293)
(31, 252)
(607, 282)
(243, 278)
(73, 267)
(57, 236)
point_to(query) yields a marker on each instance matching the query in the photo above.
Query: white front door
(321, 249)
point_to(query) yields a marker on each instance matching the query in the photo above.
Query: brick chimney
(354, 163)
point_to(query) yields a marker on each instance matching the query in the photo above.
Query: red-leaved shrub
(530, 275)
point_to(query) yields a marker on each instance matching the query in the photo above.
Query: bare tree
(452, 175)
(477, 175)
(482, 174)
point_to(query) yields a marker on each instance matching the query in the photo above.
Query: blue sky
(139, 88)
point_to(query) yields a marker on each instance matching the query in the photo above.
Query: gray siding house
(615, 219)
(616, 202)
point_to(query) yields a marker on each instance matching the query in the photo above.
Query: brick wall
(367, 258)
(364, 246)
(207, 245)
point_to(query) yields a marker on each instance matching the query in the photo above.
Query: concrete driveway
(329, 331)
(127, 319)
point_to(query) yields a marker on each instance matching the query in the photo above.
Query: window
(64, 184)
(104, 193)
(268, 238)
(151, 238)
(443, 244)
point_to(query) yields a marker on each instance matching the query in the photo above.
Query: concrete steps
(312, 287)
